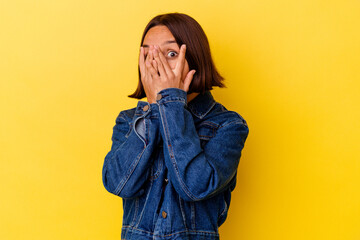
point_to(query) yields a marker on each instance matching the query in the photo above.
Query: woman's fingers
(155, 65)
(148, 59)
(187, 81)
(165, 64)
(153, 62)
(150, 67)
(141, 61)
(147, 77)
(181, 60)
(158, 61)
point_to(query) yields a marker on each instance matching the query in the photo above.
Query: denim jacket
(174, 164)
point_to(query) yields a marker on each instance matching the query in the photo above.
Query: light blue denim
(174, 164)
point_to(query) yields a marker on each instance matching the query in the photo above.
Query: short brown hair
(187, 30)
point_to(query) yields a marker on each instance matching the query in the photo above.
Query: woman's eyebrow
(166, 42)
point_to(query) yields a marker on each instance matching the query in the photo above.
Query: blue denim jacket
(174, 164)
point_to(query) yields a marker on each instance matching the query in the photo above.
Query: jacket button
(164, 214)
(166, 180)
(146, 107)
(158, 97)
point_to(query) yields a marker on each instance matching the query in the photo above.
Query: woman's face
(161, 36)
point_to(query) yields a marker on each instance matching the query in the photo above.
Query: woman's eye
(172, 54)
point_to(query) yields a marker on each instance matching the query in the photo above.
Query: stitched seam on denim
(182, 212)
(151, 171)
(123, 115)
(135, 211)
(232, 122)
(129, 131)
(225, 209)
(205, 136)
(201, 116)
(192, 205)
(134, 128)
(198, 114)
(157, 173)
(174, 100)
(147, 137)
(131, 169)
(120, 116)
(146, 201)
(241, 118)
(173, 160)
(155, 176)
(194, 112)
(171, 234)
(209, 123)
(127, 230)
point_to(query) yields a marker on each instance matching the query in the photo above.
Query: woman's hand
(158, 74)
(165, 77)
(146, 78)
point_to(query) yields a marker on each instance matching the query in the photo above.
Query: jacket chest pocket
(206, 131)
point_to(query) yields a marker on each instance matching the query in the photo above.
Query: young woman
(174, 157)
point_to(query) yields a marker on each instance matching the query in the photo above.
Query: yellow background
(292, 71)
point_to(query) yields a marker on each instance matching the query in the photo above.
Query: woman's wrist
(151, 101)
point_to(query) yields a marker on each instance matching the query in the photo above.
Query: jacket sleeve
(197, 173)
(126, 165)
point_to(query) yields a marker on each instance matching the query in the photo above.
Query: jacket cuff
(171, 94)
(146, 109)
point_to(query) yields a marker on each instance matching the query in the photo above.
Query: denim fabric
(174, 164)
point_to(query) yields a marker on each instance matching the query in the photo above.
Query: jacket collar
(202, 104)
